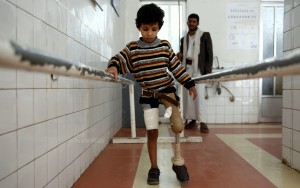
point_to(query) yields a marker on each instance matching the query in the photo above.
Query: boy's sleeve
(120, 61)
(179, 71)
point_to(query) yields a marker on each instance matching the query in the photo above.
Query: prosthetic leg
(177, 127)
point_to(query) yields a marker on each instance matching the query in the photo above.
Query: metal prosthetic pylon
(177, 160)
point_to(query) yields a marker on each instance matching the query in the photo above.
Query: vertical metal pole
(132, 111)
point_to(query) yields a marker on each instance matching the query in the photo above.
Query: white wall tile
(10, 80)
(296, 159)
(70, 126)
(24, 79)
(40, 105)
(287, 82)
(8, 148)
(25, 107)
(296, 140)
(52, 101)
(10, 181)
(295, 119)
(61, 46)
(62, 178)
(52, 134)
(40, 9)
(62, 129)
(52, 40)
(70, 100)
(8, 111)
(40, 35)
(52, 10)
(26, 176)
(62, 19)
(296, 103)
(62, 154)
(287, 118)
(13, 1)
(295, 17)
(52, 164)
(83, 34)
(26, 5)
(77, 30)
(288, 5)
(41, 138)
(296, 2)
(77, 169)
(25, 145)
(287, 99)
(287, 22)
(39, 80)
(8, 20)
(296, 36)
(287, 41)
(295, 82)
(40, 170)
(53, 183)
(286, 137)
(25, 28)
(62, 102)
(70, 25)
(286, 154)
(70, 175)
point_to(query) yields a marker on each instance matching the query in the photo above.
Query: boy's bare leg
(152, 136)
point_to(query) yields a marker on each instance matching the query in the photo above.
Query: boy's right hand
(113, 70)
(179, 55)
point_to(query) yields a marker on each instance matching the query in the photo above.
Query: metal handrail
(282, 66)
(13, 55)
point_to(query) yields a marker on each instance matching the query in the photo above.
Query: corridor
(231, 155)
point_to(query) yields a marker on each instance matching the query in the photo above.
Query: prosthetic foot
(178, 163)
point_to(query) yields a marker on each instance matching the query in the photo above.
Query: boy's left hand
(193, 92)
(112, 70)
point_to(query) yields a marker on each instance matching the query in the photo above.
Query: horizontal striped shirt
(152, 65)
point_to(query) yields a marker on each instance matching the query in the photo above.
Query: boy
(148, 60)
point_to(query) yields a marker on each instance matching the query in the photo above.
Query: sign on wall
(242, 25)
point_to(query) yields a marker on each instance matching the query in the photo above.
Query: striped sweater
(151, 65)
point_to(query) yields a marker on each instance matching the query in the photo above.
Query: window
(272, 43)
(174, 21)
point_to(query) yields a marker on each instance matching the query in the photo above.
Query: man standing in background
(196, 53)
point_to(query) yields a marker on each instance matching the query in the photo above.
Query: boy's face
(149, 31)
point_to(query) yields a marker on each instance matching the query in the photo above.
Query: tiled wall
(51, 130)
(291, 86)
(245, 108)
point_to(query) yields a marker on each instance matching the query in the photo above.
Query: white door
(271, 46)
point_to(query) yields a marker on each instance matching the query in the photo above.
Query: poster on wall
(242, 25)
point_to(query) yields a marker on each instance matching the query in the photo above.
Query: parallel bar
(287, 65)
(13, 55)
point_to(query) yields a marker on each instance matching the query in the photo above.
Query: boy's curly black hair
(148, 14)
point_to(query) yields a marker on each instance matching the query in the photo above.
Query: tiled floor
(230, 156)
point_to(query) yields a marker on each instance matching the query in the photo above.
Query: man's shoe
(203, 127)
(181, 173)
(191, 124)
(153, 176)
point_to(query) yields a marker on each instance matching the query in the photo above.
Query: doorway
(271, 46)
